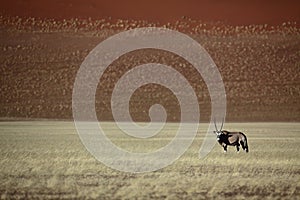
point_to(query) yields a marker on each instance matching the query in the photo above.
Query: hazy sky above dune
(235, 12)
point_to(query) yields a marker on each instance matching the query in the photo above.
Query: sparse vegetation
(47, 160)
(42, 159)
(40, 58)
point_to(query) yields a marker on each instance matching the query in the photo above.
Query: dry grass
(47, 160)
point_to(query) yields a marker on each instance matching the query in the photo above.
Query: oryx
(231, 138)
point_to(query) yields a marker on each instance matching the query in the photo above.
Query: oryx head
(218, 132)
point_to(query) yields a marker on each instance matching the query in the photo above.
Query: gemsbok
(226, 138)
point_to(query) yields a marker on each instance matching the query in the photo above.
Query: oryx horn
(215, 124)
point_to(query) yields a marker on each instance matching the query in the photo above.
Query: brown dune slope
(40, 59)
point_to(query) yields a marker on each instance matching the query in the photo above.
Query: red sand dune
(257, 63)
(234, 12)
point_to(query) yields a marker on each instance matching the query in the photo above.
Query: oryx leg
(238, 148)
(224, 147)
(243, 145)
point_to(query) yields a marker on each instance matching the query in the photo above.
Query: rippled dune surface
(259, 65)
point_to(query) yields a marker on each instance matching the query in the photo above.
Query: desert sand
(254, 45)
(259, 65)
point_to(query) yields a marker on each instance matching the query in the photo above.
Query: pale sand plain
(46, 160)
